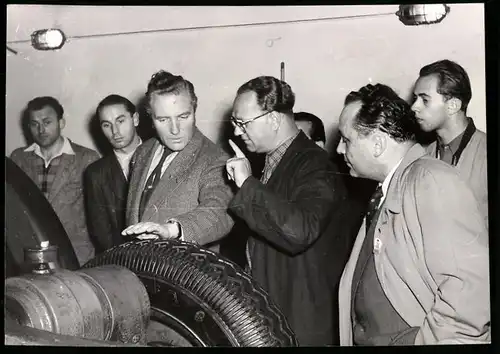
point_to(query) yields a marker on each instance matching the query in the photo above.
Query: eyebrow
(421, 94)
(108, 121)
(180, 114)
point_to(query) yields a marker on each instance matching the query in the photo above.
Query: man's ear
(379, 141)
(135, 118)
(453, 105)
(62, 123)
(275, 120)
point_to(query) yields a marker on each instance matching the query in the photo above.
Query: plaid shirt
(274, 157)
(46, 170)
(272, 160)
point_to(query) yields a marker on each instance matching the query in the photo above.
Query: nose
(238, 131)
(341, 148)
(174, 127)
(41, 129)
(414, 106)
(114, 130)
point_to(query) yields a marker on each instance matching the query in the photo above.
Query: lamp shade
(423, 14)
(48, 39)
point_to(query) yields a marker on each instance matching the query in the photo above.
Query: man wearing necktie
(178, 186)
(441, 96)
(418, 272)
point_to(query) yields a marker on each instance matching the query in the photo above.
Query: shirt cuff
(175, 228)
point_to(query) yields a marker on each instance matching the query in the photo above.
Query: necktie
(152, 182)
(373, 206)
(445, 154)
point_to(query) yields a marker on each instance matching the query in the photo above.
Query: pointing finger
(236, 149)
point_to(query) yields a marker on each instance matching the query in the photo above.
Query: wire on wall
(197, 28)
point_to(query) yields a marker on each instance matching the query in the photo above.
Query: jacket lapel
(66, 167)
(139, 166)
(175, 173)
(117, 177)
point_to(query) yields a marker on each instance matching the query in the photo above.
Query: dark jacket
(105, 190)
(292, 245)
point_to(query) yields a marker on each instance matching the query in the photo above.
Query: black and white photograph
(248, 176)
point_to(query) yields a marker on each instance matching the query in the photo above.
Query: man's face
(356, 148)
(174, 119)
(45, 126)
(257, 135)
(429, 106)
(118, 125)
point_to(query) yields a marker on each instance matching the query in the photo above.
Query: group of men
(414, 272)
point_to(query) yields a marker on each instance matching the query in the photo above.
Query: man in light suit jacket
(178, 186)
(418, 272)
(56, 165)
(441, 96)
(106, 179)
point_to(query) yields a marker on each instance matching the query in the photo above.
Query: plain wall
(324, 60)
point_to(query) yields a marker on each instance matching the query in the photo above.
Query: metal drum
(103, 303)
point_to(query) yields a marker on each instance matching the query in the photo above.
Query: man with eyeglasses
(287, 211)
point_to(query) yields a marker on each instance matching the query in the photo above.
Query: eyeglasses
(242, 125)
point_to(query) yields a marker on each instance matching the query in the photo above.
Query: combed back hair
(317, 127)
(163, 82)
(382, 109)
(112, 100)
(272, 94)
(39, 103)
(453, 81)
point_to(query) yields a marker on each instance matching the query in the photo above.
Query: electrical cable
(251, 24)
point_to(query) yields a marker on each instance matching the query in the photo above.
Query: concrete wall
(324, 60)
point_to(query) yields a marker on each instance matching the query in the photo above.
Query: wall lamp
(48, 39)
(414, 15)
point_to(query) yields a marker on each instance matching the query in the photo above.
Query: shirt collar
(387, 180)
(65, 149)
(452, 145)
(126, 156)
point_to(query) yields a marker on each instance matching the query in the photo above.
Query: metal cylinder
(104, 303)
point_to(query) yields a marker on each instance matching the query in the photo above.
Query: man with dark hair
(287, 211)
(177, 185)
(418, 272)
(56, 165)
(441, 97)
(106, 179)
(312, 126)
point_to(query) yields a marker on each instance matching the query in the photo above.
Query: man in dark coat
(287, 211)
(105, 180)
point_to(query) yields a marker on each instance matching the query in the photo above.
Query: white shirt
(387, 180)
(156, 160)
(124, 159)
(65, 149)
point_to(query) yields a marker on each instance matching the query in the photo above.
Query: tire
(29, 220)
(209, 300)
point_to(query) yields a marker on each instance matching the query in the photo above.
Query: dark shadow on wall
(25, 128)
(145, 129)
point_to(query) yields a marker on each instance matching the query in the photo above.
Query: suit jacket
(66, 193)
(291, 248)
(105, 201)
(431, 256)
(193, 190)
(473, 168)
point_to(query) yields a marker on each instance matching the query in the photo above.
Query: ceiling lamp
(48, 39)
(414, 15)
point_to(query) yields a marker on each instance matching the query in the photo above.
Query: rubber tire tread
(244, 307)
